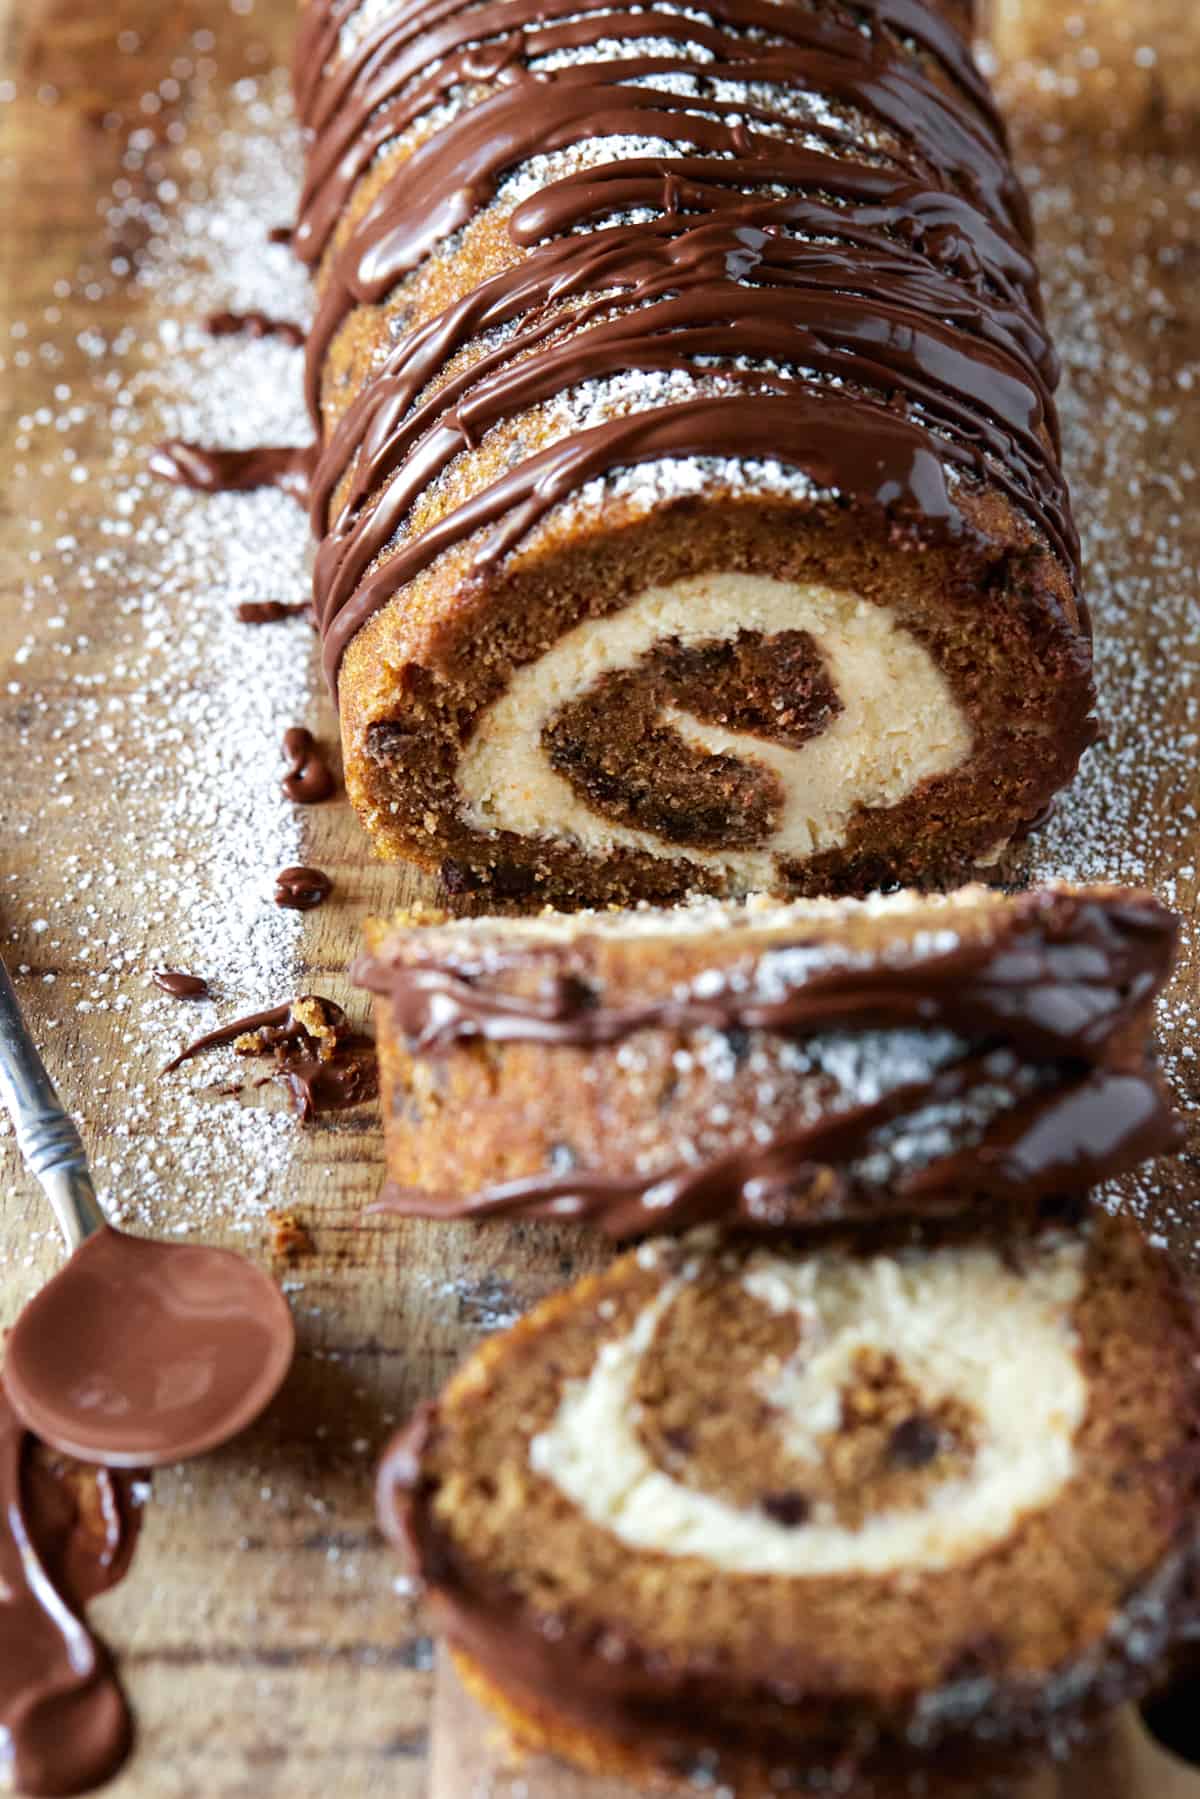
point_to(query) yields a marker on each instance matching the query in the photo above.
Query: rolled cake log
(881, 1517)
(690, 507)
(1114, 67)
(777, 1064)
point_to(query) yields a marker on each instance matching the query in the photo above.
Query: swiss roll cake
(688, 490)
(769, 1064)
(896, 1514)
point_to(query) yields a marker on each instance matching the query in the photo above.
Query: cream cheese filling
(961, 1322)
(900, 721)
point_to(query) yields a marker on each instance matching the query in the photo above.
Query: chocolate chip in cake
(789, 1509)
(915, 1443)
(387, 741)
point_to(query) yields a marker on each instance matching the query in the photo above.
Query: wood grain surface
(264, 1644)
(470, 1760)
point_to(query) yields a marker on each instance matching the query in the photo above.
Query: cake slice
(893, 1514)
(779, 1065)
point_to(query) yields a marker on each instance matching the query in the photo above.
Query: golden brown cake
(689, 499)
(1121, 68)
(891, 1515)
(778, 1064)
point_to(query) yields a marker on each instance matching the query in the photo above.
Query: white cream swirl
(961, 1322)
(900, 722)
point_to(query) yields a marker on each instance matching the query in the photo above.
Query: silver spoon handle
(46, 1136)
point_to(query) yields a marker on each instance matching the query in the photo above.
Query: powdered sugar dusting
(1116, 249)
(161, 792)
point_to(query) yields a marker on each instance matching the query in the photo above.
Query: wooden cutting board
(471, 1761)
(263, 1643)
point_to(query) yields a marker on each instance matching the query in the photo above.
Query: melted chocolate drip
(233, 471)
(226, 1033)
(309, 780)
(254, 324)
(907, 280)
(180, 985)
(68, 1534)
(271, 612)
(301, 889)
(324, 1063)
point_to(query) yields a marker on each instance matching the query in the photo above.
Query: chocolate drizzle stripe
(920, 291)
(445, 43)
(823, 323)
(238, 1027)
(820, 437)
(654, 257)
(1061, 1141)
(987, 397)
(1060, 979)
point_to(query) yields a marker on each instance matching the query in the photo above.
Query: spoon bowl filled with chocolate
(137, 1352)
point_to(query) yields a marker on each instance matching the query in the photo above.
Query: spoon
(136, 1352)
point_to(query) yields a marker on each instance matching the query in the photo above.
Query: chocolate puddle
(319, 1057)
(68, 1534)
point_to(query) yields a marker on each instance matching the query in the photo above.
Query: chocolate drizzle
(69, 1534)
(271, 612)
(233, 471)
(254, 324)
(1063, 1140)
(1047, 1005)
(905, 279)
(1060, 977)
(227, 1033)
